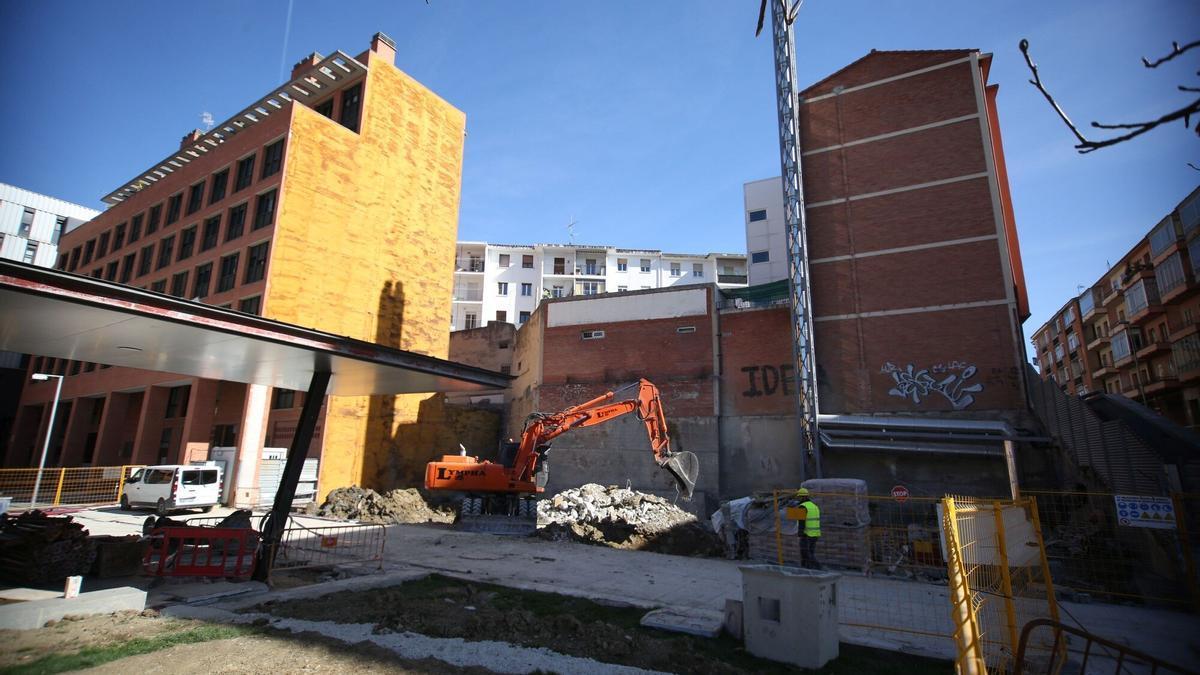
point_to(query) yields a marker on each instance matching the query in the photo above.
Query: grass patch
(95, 656)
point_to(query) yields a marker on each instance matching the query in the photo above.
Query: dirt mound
(368, 506)
(624, 518)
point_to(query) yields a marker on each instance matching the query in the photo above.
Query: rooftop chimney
(190, 138)
(306, 63)
(384, 47)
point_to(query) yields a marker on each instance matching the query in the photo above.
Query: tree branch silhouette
(1086, 145)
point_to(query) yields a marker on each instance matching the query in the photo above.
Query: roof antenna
(571, 230)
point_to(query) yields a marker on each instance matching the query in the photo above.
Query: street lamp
(37, 484)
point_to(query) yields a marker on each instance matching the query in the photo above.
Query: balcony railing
(590, 270)
(468, 265)
(474, 295)
(731, 278)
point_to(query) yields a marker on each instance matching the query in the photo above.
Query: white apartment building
(766, 230)
(505, 282)
(30, 225)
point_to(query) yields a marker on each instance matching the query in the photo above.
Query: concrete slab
(702, 622)
(27, 594)
(197, 593)
(35, 613)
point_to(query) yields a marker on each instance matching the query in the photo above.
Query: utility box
(790, 614)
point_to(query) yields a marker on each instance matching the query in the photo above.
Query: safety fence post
(966, 624)
(1010, 611)
(62, 473)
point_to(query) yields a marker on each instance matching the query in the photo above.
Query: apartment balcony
(1145, 313)
(1181, 328)
(590, 271)
(467, 296)
(1103, 372)
(1159, 384)
(731, 278)
(1154, 349)
(471, 265)
(1097, 341)
(1111, 296)
(559, 271)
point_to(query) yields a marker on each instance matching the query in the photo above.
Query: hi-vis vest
(812, 519)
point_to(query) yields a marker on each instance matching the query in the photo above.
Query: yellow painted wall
(364, 247)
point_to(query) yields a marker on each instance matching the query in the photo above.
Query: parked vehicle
(167, 487)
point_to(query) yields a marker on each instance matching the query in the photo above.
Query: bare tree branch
(1085, 144)
(1176, 50)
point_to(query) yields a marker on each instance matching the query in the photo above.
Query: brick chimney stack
(306, 63)
(384, 47)
(190, 138)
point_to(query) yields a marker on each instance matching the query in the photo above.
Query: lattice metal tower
(783, 13)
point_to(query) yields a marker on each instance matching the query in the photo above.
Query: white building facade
(766, 231)
(505, 282)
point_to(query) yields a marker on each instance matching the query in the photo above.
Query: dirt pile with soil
(368, 506)
(624, 518)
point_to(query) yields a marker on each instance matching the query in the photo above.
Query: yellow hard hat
(802, 492)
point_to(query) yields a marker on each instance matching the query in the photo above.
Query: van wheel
(160, 509)
(124, 502)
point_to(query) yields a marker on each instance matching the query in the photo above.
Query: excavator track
(505, 515)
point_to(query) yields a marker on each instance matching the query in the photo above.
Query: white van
(173, 486)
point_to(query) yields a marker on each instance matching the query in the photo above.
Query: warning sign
(1156, 512)
(900, 493)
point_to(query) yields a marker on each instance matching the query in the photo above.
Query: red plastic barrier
(201, 552)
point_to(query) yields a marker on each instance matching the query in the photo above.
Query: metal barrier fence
(311, 545)
(1095, 655)
(1119, 548)
(999, 580)
(66, 485)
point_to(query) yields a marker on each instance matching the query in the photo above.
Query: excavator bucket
(684, 467)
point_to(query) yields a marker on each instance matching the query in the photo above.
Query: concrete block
(705, 623)
(790, 614)
(35, 613)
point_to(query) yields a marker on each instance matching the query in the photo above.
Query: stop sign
(900, 493)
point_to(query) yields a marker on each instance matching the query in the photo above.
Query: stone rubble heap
(368, 506)
(624, 518)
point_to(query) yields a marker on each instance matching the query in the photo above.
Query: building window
(159, 286)
(675, 270)
(686, 329)
(228, 276)
(1162, 236)
(272, 158)
(179, 284)
(237, 222)
(195, 198)
(622, 289)
(75, 258)
(264, 210)
(527, 290)
(245, 173)
(62, 258)
(31, 248)
(502, 288)
(522, 317)
(622, 265)
(645, 265)
(26, 223)
(88, 250)
(470, 321)
(110, 272)
(203, 277)
(220, 181)
(756, 216)
(250, 305)
(102, 246)
(560, 266)
(1189, 214)
(593, 335)
(127, 267)
(501, 315)
(153, 219)
(1169, 274)
(60, 224)
(146, 260)
(135, 228)
(177, 400)
(505, 260)
(256, 263)
(118, 237)
(590, 287)
(283, 399)
(98, 273)
(351, 102)
(527, 262)
(212, 233)
(165, 247)
(325, 108)
(174, 204)
(187, 243)
(557, 292)
(698, 270)
(760, 257)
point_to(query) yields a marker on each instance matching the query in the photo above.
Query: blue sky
(639, 120)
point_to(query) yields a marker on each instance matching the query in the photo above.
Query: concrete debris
(624, 518)
(368, 506)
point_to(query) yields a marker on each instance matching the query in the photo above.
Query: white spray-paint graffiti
(919, 384)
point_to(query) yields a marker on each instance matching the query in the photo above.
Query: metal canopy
(56, 314)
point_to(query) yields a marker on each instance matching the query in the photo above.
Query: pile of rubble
(368, 506)
(624, 518)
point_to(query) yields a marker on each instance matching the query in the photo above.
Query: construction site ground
(631, 578)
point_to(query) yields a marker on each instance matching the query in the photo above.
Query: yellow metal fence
(65, 485)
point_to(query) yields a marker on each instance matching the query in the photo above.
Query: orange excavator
(501, 496)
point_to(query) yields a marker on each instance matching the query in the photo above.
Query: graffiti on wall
(767, 380)
(948, 380)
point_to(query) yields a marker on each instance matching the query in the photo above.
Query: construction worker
(809, 531)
